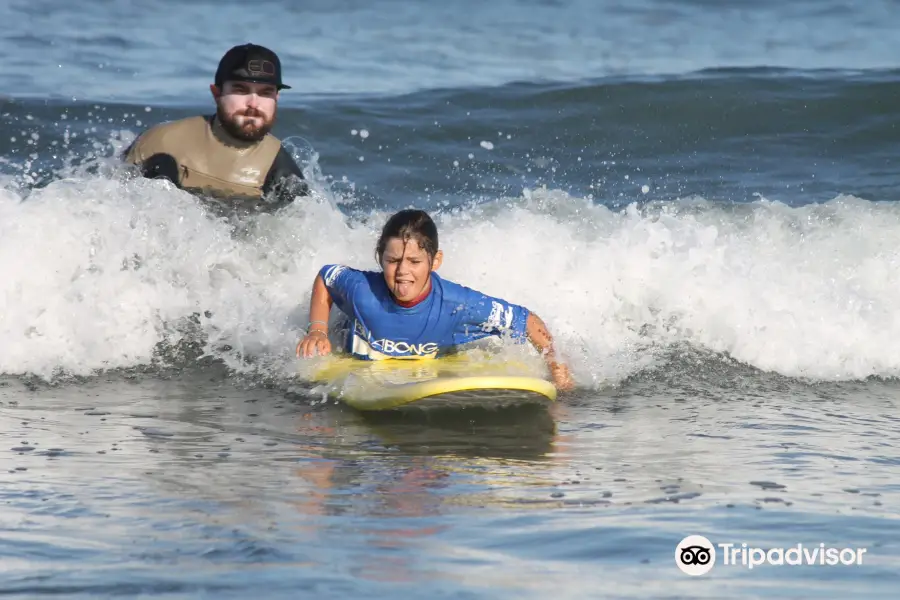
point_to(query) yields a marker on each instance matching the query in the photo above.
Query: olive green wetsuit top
(199, 156)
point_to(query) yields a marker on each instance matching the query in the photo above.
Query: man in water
(230, 154)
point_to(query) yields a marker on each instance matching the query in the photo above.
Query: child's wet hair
(410, 224)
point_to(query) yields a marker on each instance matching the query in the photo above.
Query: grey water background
(699, 198)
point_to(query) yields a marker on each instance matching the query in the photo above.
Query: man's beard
(249, 132)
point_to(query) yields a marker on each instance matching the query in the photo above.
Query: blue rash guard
(449, 316)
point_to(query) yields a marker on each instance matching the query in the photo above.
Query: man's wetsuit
(199, 156)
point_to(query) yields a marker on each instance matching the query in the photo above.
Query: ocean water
(699, 199)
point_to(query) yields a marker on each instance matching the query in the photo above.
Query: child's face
(406, 268)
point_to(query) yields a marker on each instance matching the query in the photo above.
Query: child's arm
(497, 316)
(540, 337)
(316, 339)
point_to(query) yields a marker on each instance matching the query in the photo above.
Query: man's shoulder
(159, 137)
(272, 138)
(168, 127)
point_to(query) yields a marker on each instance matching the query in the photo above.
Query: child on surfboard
(409, 311)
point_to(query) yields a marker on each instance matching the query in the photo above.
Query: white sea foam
(96, 271)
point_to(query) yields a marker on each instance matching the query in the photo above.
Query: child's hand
(315, 342)
(562, 378)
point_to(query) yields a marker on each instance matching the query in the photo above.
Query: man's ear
(438, 260)
(216, 92)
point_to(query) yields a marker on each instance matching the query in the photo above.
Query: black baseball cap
(252, 63)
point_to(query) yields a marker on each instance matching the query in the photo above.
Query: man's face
(246, 110)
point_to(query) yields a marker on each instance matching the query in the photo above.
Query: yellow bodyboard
(459, 380)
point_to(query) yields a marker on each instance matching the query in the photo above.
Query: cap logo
(258, 67)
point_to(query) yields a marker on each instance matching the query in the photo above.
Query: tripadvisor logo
(696, 555)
